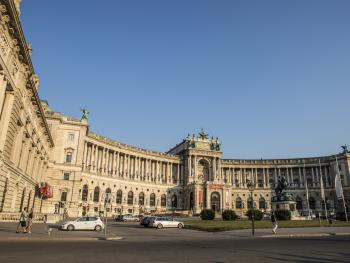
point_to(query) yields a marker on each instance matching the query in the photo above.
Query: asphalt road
(175, 245)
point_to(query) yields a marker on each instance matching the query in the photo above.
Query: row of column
(295, 176)
(101, 160)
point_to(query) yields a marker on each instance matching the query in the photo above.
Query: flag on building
(338, 185)
(322, 190)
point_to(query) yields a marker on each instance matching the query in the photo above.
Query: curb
(111, 238)
(306, 235)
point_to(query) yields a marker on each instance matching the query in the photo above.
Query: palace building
(57, 165)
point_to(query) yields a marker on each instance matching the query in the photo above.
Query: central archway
(215, 201)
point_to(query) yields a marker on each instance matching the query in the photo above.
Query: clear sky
(269, 78)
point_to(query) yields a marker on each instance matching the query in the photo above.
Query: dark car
(147, 221)
(119, 218)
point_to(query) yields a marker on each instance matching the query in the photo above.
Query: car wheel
(98, 228)
(70, 228)
(159, 226)
(180, 225)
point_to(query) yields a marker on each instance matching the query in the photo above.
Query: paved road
(169, 245)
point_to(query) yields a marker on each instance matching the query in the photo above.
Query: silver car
(160, 222)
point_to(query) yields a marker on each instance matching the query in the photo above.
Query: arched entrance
(215, 201)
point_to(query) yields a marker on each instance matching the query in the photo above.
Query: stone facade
(25, 139)
(189, 177)
(40, 145)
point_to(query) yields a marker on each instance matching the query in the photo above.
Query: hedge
(229, 215)
(207, 214)
(258, 215)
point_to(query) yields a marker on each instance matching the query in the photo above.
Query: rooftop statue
(345, 148)
(203, 135)
(85, 114)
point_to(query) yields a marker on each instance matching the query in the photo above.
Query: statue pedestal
(285, 201)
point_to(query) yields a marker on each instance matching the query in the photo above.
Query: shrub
(207, 214)
(258, 215)
(229, 215)
(283, 214)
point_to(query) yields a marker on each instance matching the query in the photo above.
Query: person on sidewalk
(22, 221)
(30, 221)
(274, 223)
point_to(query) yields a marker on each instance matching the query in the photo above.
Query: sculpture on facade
(85, 114)
(345, 148)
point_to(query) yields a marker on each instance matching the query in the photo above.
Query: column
(317, 176)
(326, 175)
(264, 177)
(292, 175)
(214, 169)
(195, 168)
(313, 176)
(3, 84)
(300, 179)
(5, 118)
(276, 179)
(85, 156)
(178, 174)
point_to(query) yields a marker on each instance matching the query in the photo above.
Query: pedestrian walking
(274, 223)
(30, 221)
(22, 221)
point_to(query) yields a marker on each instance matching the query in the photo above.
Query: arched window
(312, 203)
(141, 198)
(119, 197)
(215, 201)
(152, 200)
(262, 203)
(85, 193)
(96, 194)
(108, 194)
(163, 200)
(299, 203)
(174, 201)
(130, 198)
(238, 203)
(250, 203)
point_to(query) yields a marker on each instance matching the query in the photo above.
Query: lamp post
(251, 188)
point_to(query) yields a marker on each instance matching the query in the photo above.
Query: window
(71, 137)
(152, 200)
(262, 203)
(97, 194)
(63, 196)
(238, 203)
(85, 193)
(66, 176)
(119, 196)
(130, 198)
(250, 203)
(141, 198)
(163, 200)
(68, 157)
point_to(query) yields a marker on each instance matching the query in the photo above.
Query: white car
(160, 222)
(83, 223)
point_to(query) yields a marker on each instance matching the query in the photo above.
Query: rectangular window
(66, 176)
(63, 196)
(68, 157)
(71, 137)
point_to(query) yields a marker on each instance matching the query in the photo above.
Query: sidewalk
(291, 232)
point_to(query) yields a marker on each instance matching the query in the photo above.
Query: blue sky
(269, 78)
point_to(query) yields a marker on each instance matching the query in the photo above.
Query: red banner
(46, 190)
(200, 197)
(216, 186)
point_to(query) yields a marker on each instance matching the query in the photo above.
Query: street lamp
(251, 188)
